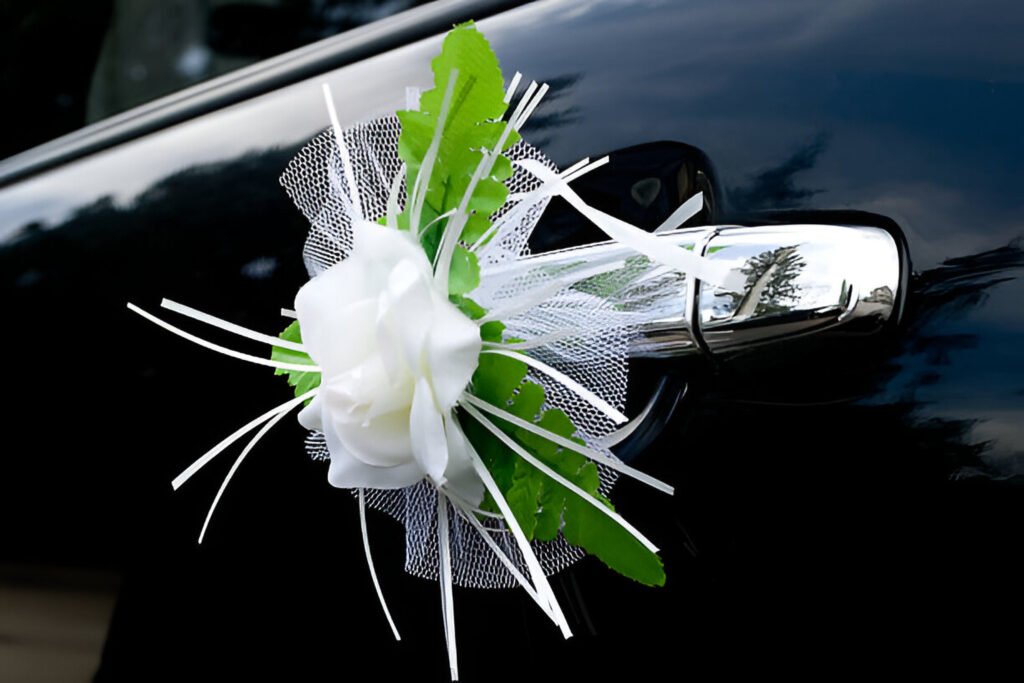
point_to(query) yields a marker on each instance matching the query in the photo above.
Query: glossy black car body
(848, 500)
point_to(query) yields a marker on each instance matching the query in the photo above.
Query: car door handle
(797, 280)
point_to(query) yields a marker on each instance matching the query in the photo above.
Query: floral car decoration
(451, 378)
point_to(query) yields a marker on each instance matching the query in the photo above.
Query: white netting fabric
(315, 180)
(578, 315)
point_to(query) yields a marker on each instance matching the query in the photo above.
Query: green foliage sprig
(542, 507)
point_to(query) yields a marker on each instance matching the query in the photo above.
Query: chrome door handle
(797, 280)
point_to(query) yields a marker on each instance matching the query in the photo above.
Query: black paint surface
(836, 503)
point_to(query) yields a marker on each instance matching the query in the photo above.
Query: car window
(66, 63)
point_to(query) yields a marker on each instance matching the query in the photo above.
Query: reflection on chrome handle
(800, 279)
(797, 280)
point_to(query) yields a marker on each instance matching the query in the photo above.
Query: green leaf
(500, 461)
(523, 494)
(492, 331)
(555, 421)
(544, 507)
(488, 197)
(470, 308)
(502, 169)
(571, 465)
(602, 537)
(584, 525)
(497, 377)
(549, 517)
(475, 228)
(495, 380)
(302, 381)
(473, 123)
(528, 401)
(465, 273)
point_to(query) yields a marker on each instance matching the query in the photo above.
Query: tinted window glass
(67, 63)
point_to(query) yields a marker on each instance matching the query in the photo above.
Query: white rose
(395, 356)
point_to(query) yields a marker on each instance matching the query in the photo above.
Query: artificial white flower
(395, 355)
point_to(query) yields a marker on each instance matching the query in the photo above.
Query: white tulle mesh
(576, 316)
(474, 564)
(316, 182)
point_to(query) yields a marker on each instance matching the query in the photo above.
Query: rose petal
(310, 416)
(365, 392)
(382, 248)
(453, 352)
(406, 315)
(395, 355)
(338, 333)
(382, 442)
(462, 479)
(347, 472)
(426, 426)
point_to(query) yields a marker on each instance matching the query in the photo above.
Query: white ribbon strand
(221, 349)
(396, 188)
(687, 210)
(596, 456)
(566, 172)
(575, 171)
(446, 214)
(540, 581)
(445, 579)
(633, 237)
(566, 381)
(238, 461)
(346, 162)
(527, 200)
(528, 457)
(470, 516)
(463, 504)
(422, 182)
(453, 230)
(511, 90)
(214, 321)
(523, 101)
(238, 434)
(369, 564)
(531, 106)
(626, 430)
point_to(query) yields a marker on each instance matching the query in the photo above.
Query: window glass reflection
(76, 63)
